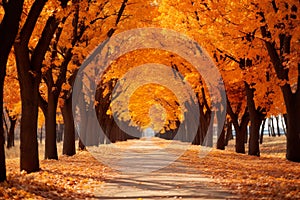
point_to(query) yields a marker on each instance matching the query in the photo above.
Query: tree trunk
(196, 140)
(292, 100)
(262, 131)
(28, 135)
(59, 131)
(269, 128)
(81, 145)
(285, 122)
(283, 125)
(8, 30)
(221, 140)
(240, 138)
(50, 126)
(293, 128)
(254, 137)
(246, 135)
(256, 118)
(69, 128)
(29, 74)
(5, 124)
(91, 133)
(2, 139)
(41, 135)
(221, 128)
(11, 132)
(210, 131)
(240, 127)
(203, 137)
(272, 126)
(29, 86)
(229, 135)
(277, 123)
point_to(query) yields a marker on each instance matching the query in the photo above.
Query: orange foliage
(68, 178)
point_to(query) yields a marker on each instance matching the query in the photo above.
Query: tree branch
(31, 20)
(44, 42)
(43, 104)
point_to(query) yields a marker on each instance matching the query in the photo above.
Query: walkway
(149, 169)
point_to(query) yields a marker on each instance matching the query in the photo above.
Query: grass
(14, 152)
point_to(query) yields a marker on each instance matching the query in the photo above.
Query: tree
(145, 97)
(280, 38)
(240, 118)
(29, 63)
(270, 31)
(84, 40)
(8, 30)
(235, 38)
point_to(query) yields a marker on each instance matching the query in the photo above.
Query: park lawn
(269, 176)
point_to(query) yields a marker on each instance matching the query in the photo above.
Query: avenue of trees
(255, 45)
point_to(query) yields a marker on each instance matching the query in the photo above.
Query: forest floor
(218, 175)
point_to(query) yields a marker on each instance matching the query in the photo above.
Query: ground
(218, 175)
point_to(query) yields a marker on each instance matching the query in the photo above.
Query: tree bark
(283, 124)
(293, 128)
(256, 117)
(59, 132)
(272, 126)
(210, 131)
(205, 114)
(277, 123)
(8, 30)
(240, 127)
(50, 126)
(11, 132)
(221, 127)
(240, 136)
(292, 100)
(2, 139)
(246, 134)
(262, 131)
(81, 145)
(29, 86)
(5, 124)
(269, 127)
(69, 129)
(229, 135)
(28, 135)
(41, 135)
(221, 140)
(29, 74)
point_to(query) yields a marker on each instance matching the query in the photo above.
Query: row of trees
(49, 40)
(256, 47)
(254, 44)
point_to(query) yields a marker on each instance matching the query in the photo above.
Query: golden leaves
(68, 178)
(151, 96)
(233, 28)
(12, 101)
(66, 86)
(78, 177)
(248, 176)
(152, 105)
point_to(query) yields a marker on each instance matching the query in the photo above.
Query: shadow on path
(174, 181)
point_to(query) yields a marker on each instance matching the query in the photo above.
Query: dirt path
(149, 170)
